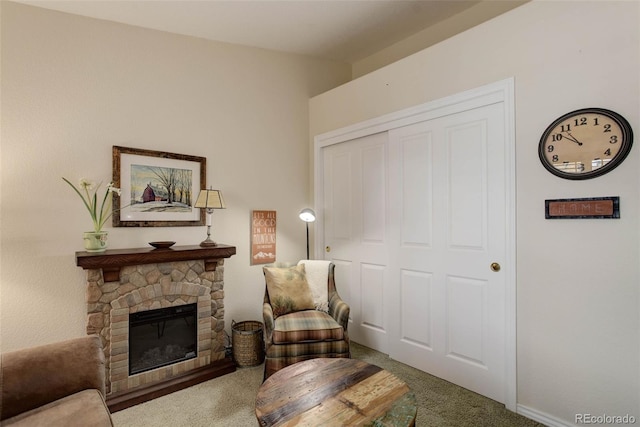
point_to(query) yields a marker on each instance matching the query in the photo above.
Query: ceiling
(341, 30)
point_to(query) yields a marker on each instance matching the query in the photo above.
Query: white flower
(85, 184)
(88, 192)
(113, 189)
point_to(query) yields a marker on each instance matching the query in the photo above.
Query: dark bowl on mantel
(162, 244)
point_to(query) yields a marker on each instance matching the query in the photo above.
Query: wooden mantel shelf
(112, 260)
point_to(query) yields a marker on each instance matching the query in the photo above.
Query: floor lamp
(307, 215)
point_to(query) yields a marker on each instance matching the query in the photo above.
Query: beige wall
(478, 13)
(73, 87)
(577, 280)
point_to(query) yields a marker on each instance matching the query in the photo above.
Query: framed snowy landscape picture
(158, 189)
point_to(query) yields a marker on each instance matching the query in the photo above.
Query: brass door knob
(495, 267)
(328, 248)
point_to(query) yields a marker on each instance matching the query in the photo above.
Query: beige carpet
(228, 401)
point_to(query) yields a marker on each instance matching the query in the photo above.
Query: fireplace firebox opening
(162, 337)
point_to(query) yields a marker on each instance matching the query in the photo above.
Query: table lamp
(209, 200)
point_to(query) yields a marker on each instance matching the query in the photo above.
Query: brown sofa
(61, 384)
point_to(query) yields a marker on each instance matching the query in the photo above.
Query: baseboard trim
(119, 401)
(541, 417)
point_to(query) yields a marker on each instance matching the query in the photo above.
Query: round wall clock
(585, 143)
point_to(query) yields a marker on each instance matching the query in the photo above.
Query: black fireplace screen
(162, 337)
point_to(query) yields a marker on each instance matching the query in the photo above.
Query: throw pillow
(288, 290)
(317, 272)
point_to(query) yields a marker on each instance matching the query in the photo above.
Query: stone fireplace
(123, 282)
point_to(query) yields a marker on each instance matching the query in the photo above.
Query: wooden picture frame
(158, 189)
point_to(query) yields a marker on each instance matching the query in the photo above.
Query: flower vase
(95, 241)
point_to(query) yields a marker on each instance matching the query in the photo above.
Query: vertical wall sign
(263, 237)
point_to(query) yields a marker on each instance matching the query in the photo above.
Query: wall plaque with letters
(586, 208)
(263, 237)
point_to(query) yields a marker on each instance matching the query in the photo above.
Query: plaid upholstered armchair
(304, 317)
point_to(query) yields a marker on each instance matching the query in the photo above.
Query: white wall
(577, 280)
(73, 87)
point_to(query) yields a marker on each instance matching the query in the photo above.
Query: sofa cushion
(306, 326)
(85, 408)
(288, 289)
(33, 377)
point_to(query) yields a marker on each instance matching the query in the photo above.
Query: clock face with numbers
(585, 143)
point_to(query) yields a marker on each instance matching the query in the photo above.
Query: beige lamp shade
(210, 199)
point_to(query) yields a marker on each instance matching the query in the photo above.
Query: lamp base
(208, 243)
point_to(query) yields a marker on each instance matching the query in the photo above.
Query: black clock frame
(625, 144)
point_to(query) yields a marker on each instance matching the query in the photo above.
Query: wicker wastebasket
(247, 343)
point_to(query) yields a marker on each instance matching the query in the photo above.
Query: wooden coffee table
(334, 392)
